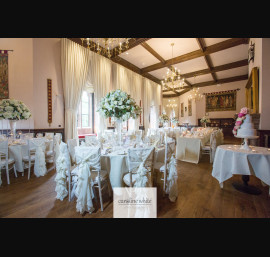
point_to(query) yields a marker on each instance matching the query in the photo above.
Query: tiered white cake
(247, 128)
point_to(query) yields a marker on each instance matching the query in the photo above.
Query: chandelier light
(171, 104)
(106, 46)
(173, 78)
(195, 94)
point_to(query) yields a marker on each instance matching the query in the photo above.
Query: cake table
(245, 187)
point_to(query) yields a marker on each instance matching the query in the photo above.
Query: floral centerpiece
(174, 120)
(120, 107)
(164, 118)
(13, 110)
(205, 120)
(240, 119)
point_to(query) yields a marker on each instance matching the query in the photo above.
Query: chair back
(88, 155)
(91, 141)
(49, 135)
(140, 161)
(72, 143)
(4, 150)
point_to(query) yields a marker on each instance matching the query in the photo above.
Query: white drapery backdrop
(75, 62)
(83, 69)
(151, 103)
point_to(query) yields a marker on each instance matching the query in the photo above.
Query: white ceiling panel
(192, 65)
(212, 41)
(181, 46)
(232, 72)
(200, 79)
(160, 74)
(229, 55)
(139, 56)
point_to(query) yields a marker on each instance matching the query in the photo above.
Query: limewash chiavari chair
(5, 161)
(140, 167)
(211, 148)
(36, 156)
(88, 174)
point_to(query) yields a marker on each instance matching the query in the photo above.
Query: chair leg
(15, 172)
(109, 189)
(100, 194)
(29, 169)
(69, 185)
(7, 172)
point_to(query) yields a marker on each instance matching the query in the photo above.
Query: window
(85, 115)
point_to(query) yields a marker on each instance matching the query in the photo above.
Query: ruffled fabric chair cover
(62, 167)
(140, 161)
(92, 141)
(213, 145)
(171, 181)
(87, 158)
(38, 144)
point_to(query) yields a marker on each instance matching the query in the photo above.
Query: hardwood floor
(199, 197)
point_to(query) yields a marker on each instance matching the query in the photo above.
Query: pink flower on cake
(244, 110)
(240, 115)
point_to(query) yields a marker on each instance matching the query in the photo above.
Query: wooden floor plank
(200, 196)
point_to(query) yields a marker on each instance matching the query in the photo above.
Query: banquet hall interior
(82, 117)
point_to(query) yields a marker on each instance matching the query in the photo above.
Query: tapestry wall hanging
(220, 101)
(182, 109)
(4, 75)
(189, 107)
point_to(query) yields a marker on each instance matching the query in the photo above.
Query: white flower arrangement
(174, 120)
(205, 120)
(11, 109)
(164, 118)
(119, 105)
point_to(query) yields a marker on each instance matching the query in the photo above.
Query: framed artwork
(4, 92)
(182, 109)
(252, 91)
(189, 107)
(220, 101)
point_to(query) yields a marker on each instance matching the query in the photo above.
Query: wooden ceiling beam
(198, 53)
(152, 51)
(132, 43)
(207, 58)
(219, 81)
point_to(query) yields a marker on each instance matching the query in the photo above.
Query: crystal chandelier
(106, 46)
(171, 104)
(173, 78)
(195, 94)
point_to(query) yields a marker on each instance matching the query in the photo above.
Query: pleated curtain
(75, 63)
(83, 69)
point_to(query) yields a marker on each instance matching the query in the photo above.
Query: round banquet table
(19, 150)
(231, 160)
(117, 166)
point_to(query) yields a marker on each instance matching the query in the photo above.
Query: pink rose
(238, 123)
(244, 110)
(240, 115)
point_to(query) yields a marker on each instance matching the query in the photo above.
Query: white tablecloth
(117, 166)
(17, 152)
(189, 148)
(230, 160)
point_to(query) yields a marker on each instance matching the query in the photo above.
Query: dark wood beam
(207, 58)
(223, 67)
(152, 51)
(219, 81)
(198, 53)
(180, 93)
(132, 43)
(127, 64)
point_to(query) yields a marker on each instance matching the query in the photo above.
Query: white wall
(30, 64)
(47, 65)
(198, 108)
(20, 74)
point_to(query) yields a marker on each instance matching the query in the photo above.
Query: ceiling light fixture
(173, 77)
(107, 46)
(195, 93)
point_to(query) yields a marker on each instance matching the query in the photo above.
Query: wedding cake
(247, 128)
